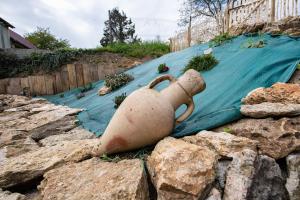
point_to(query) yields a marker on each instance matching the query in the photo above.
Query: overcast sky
(82, 21)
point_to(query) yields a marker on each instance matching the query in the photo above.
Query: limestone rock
(56, 127)
(214, 195)
(277, 93)
(96, 180)
(221, 171)
(6, 195)
(267, 109)
(267, 182)
(18, 147)
(293, 180)
(277, 138)
(31, 165)
(75, 134)
(239, 175)
(180, 170)
(225, 144)
(104, 90)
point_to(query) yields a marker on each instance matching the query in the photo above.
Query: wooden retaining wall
(69, 77)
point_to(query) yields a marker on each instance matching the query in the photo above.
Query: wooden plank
(14, 86)
(3, 85)
(31, 80)
(24, 83)
(94, 73)
(79, 75)
(41, 85)
(86, 74)
(72, 76)
(65, 84)
(100, 70)
(58, 88)
(49, 84)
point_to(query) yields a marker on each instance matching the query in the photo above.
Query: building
(10, 39)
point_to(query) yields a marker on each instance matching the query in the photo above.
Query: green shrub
(220, 39)
(80, 95)
(119, 99)
(298, 66)
(116, 81)
(227, 130)
(86, 88)
(255, 44)
(162, 68)
(201, 63)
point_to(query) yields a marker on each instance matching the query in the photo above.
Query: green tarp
(239, 71)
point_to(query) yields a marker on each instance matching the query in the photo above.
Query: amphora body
(146, 115)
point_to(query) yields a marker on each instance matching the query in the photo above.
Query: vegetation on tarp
(11, 66)
(220, 39)
(119, 99)
(86, 88)
(162, 68)
(116, 81)
(255, 44)
(80, 95)
(201, 63)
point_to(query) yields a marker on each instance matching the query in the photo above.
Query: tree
(208, 8)
(43, 39)
(118, 28)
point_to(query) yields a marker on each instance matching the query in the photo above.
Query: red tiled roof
(18, 38)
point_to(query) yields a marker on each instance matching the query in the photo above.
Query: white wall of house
(4, 37)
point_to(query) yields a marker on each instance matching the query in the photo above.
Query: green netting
(239, 71)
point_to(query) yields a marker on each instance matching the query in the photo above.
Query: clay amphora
(146, 115)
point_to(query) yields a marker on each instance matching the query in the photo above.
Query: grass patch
(116, 81)
(119, 99)
(255, 44)
(298, 66)
(162, 68)
(201, 63)
(220, 39)
(227, 130)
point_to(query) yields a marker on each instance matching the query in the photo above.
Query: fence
(256, 11)
(69, 77)
(237, 12)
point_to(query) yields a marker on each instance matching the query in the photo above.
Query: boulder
(277, 93)
(32, 165)
(267, 182)
(95, 179)
(77, 133)
(267, 109)
(276, 138)
(6, 195)
(104, 90)
(180, 170)
(225, 144)
(239, 175)
(293, 180)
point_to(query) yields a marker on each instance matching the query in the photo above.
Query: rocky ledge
(257, 157)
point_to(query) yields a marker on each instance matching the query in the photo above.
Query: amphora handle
(159, 79)
(190, 105)
(189, 110)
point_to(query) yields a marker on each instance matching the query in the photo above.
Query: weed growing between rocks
(220, 39)
(116, 81)
(119, 99)
(202, 63)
